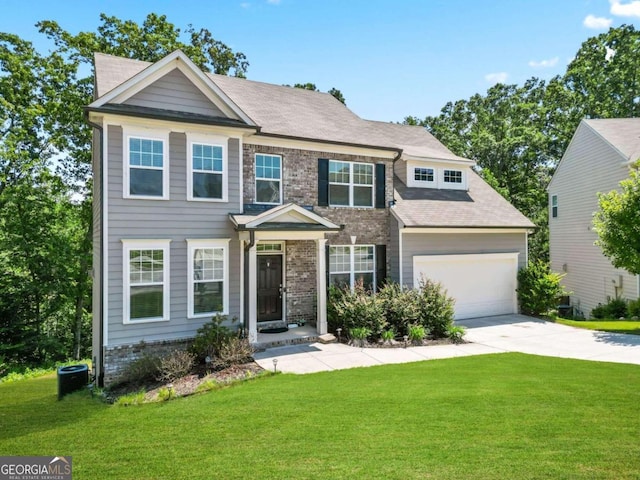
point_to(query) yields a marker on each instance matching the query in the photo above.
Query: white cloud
(497, 77)
(552, 62)
(631, 9)
(245, 5)
(273, 2)
(597, 23)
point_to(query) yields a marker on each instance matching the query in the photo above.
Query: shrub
(146, 368)
(234, 351)
(359, 335)
(456, 333)
(400, 305)
(435, 307)
(538, 288)
(417, 334)
(357, 308)
(175, 365)
(165, 393)
(210, 338)
(633, 309)
(130, 399)
(613, 309)
(388, 335)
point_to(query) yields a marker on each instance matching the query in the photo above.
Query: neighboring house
(215, 194)
(595, 161)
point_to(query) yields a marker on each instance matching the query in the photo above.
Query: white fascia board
(464, 230)
(461, 161)
(274, 213)
(176, 59)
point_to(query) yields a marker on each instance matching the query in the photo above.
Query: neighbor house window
(208, 277)
(452, 176)
(350, 264)
(206, 173)
(268, 179)
(146, 173)
(554, 206)
(350, 184)
(146, 280)
(423, 174)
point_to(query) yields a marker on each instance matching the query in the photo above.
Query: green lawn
(615, 326)
(489, 416)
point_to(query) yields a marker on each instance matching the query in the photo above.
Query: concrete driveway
(506, 333)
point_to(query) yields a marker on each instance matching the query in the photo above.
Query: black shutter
(380, 181)
(323, 182)
(381, 265)
(326, 265)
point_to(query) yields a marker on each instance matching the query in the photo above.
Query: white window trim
(352, 271)
(424, 183)
(554, 204)
(452, 185)
(145, 134)
(192, 245)
(255, 177)
(138, 244)
(214, 141)
(352, 185)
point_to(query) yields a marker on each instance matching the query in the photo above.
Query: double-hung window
(350, 184)
(268, 179)
(554, 206)
(146, 280)
(351, 264)
(208, 272)
(207, 165)
(146, 162)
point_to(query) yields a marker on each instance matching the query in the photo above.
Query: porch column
(321, 286)
(253, 296)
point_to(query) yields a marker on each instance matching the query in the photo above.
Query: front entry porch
(284, 273)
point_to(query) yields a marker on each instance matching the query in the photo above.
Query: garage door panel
(481, 284)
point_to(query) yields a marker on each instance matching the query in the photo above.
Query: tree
(337, 94)
(334, 92)
(617, 223)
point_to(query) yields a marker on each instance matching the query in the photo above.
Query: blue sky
(390, 58)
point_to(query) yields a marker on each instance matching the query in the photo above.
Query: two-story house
(215, 194)
(597, 159)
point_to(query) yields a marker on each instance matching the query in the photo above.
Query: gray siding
(458, 243)
(174, 91)
(590, 165)
(401, 171)
(176, 219)
(97, 234)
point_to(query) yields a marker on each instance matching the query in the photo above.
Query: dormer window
(423, 174)
(452, 176)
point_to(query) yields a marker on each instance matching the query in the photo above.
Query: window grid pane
(207, 158)
(453, 176)
(363, 259)
(208, 264)
(423, 174)
(146, 267)
(144, 152)
(339, 259)
(339, 172)
(268, 167)
(362, 174)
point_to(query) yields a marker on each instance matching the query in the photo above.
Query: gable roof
(287, 216)
(288, 112)
(623, 134)
(479, 207)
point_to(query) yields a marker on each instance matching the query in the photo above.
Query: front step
(259, 346)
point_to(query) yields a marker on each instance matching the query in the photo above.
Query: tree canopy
(617, 223)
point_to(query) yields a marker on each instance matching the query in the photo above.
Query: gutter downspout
(100, 366)
(247, 247)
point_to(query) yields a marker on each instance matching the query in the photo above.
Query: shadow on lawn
(32, 406)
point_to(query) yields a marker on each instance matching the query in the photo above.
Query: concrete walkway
(506, 333)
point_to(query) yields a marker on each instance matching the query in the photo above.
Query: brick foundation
(117, 358)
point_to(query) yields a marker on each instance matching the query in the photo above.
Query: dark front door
(269, 287)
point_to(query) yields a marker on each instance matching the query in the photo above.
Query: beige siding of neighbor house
(590, 165)
(175, 91)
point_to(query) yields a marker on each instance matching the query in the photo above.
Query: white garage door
(481, 284)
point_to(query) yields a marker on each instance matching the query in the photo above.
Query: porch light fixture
(339, 331)
(275, 365)
(406, 337)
